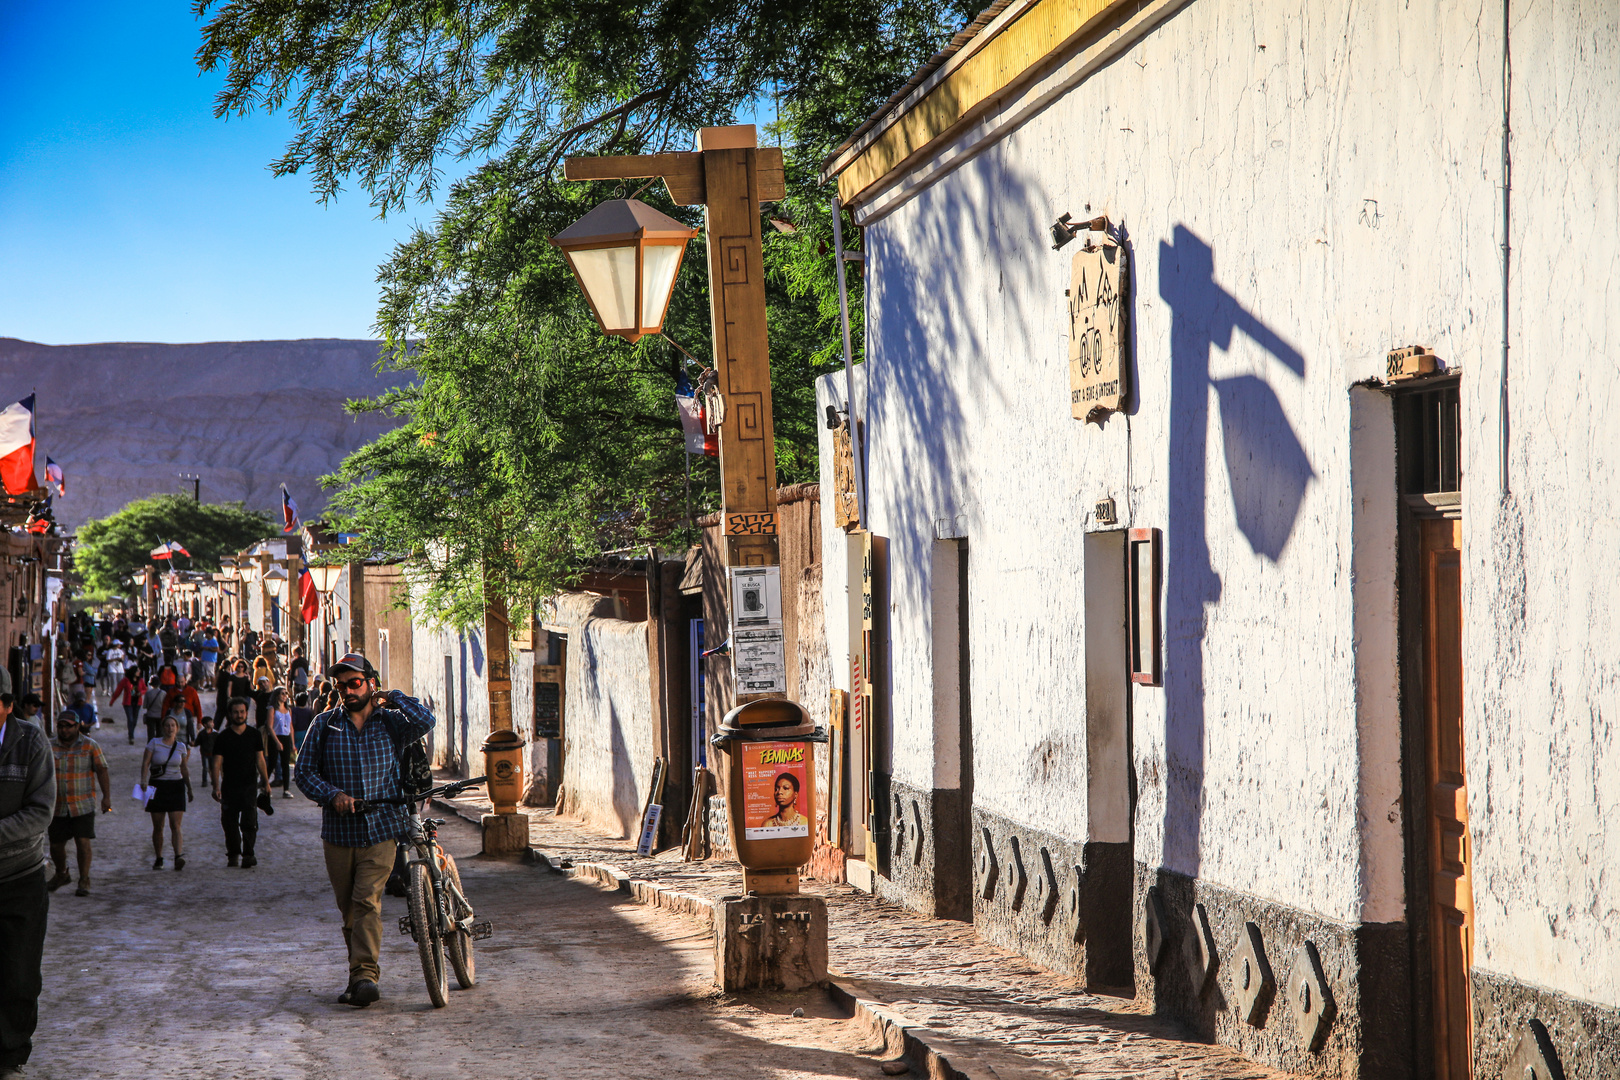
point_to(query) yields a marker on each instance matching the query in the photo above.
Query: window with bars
(1429, 434)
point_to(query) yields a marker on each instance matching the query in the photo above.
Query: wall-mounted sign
(846, 514)
(1098, 373)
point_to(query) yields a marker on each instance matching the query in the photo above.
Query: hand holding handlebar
(443, 791)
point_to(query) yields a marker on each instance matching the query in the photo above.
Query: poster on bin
(775, 790)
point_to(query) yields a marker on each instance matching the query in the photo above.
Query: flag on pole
(161, 552)
(308, 595)
(289, 511)
(53, 475)
(175, 548)
(17, 446)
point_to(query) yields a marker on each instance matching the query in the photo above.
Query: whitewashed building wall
(1301, 192)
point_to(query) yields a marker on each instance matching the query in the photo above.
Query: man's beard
(356, 705)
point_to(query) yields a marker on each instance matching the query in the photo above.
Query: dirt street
(216, 972)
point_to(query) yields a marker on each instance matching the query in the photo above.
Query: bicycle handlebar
(447, 791)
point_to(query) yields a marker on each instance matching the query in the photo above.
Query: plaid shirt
(76, 767)
(337, 759)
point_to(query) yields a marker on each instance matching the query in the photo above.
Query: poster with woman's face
(776, 800)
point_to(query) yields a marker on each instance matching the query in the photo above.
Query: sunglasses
(352, 684)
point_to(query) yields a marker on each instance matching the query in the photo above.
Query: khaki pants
(358, 875)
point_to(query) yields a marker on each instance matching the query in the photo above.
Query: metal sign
(1098, 373)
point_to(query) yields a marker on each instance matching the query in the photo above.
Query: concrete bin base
(505, 834)
(770, 942)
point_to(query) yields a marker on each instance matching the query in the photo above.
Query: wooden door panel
(1451, 916)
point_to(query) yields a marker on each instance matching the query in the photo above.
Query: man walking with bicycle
(352, 753)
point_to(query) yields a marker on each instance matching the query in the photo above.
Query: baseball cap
(351, 662)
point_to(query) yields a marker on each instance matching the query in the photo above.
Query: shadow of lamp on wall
(1268, 472)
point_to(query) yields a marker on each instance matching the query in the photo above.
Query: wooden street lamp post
(729, 176)
(771, 937)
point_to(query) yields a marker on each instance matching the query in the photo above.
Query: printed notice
(756, 596)
(774, 790)
(759, 660)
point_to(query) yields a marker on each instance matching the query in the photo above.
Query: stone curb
(921, 1047)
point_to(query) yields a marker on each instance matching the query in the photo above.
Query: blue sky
(129, 213)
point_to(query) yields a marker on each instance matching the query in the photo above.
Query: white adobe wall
(1262, 139)
(1541, 597)
(462, 709)
(608, 725)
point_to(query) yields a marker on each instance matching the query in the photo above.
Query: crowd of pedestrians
(229, 710)
(232, 726)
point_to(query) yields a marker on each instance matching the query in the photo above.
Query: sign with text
(759, 660)
(1098, 372)
(756, 596)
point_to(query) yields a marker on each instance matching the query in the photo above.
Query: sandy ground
(216, 972)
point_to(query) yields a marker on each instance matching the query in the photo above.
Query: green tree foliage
(112, 548)
(529, 442)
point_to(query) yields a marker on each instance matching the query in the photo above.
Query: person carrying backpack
(358, 751)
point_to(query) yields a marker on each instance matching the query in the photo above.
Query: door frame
(1412, 510)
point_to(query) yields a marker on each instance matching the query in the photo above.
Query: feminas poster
(775, 790)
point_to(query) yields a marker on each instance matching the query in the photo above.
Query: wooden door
(1451, 914)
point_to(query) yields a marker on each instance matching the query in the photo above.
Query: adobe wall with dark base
(929, 866)
(1584, 1037)
(1353, 1022)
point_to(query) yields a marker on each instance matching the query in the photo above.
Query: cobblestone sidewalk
(989, 1011)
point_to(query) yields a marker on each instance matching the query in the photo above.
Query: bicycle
(439, 916)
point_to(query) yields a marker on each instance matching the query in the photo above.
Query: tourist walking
(152, 705)
(168, 781)
(298, 671)
(129, 692)
(208, 656)
(80, 766)
(353, 753)
(280, 733)
(239, 775)
(114, 660)
(27, 803)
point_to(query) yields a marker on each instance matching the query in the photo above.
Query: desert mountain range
(124, 419)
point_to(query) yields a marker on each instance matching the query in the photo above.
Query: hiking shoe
(347, 997)
(230, 861)
(249, 861)
(179, 862)
(363, 993)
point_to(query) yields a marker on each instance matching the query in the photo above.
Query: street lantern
(326, 577)
(274, 580)
(625, 256)
(249, 570)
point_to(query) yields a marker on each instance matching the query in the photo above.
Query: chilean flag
(289, 511)
(161, 552)
(174, 546)
(17, 446)
(310, 599)
(53, 475)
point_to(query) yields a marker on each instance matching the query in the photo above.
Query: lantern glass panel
(609, 277)
(660, 262)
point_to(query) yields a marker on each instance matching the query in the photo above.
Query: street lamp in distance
(626, 256)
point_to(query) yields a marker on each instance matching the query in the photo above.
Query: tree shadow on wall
(1267, 471)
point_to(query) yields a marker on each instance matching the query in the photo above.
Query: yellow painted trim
(1047, 28)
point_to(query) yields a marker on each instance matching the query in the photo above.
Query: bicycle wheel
(459, 945)
(429, 945)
